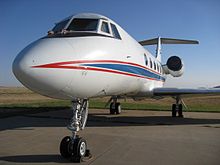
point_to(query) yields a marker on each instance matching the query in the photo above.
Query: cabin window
(145, 59)
(60, 26)
(83, 25)
(158, 66)
(115, 31)
(151, 64)
(105, 27)
(155, 66)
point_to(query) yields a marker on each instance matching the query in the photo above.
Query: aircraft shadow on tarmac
(26, 121)
(146, 121)
(35, 159)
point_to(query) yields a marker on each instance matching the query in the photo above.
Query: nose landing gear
(75, 147)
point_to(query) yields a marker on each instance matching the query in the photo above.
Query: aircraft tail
(158, 41)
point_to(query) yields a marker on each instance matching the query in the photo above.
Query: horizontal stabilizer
(167, 41)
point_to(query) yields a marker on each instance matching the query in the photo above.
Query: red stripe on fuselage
(91, 68)
(58, 64)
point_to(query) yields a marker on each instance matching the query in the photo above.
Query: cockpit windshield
(60, 26)
(83, 25)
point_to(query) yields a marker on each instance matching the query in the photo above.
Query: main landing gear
(177, 108)
(75, 147)
(115, 107)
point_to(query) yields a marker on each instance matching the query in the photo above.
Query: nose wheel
(75, 147)
(65, 147)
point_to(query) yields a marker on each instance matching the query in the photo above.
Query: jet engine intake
(174, 66)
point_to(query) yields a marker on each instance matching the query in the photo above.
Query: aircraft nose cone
(21, 65)
(46, 81)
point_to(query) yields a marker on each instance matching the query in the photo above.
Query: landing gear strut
(115, 107)
(177, 108)
(75, 147)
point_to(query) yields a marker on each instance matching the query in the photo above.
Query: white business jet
(89, 55)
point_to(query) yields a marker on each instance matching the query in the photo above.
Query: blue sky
(23, 21)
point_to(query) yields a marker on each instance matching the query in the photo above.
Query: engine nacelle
(174, 66)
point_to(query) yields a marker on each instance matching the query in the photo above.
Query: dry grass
(15, 95)
(18, 96)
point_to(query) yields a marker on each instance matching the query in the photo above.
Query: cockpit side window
(105, 27)
(83, 25)
(115, 31)
(60, 26)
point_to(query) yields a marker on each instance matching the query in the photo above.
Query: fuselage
(88, 64)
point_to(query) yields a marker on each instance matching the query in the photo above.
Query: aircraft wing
(184, 91)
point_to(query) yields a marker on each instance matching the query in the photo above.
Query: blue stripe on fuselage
(129, 69)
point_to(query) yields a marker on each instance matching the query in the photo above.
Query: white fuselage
(85, 67)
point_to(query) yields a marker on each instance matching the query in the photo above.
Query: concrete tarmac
(133, 137)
